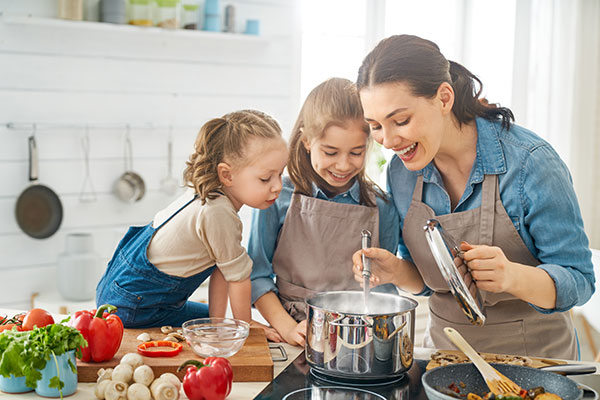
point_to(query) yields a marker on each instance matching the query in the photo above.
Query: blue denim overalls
(143, 295)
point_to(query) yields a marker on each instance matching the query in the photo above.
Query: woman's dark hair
(420, 64)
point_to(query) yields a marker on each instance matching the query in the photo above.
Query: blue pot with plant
(44, 357)
(14, 384)
(58, 367)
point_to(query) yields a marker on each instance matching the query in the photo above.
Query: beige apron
(315, 247)
(512, 326)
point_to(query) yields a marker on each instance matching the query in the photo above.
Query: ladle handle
(366, 243)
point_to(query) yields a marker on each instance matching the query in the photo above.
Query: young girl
(238, 159)
(308, 237)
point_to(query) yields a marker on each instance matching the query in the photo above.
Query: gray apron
(315, 247)
(512, 326)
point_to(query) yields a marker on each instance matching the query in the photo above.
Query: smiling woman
(489, 182)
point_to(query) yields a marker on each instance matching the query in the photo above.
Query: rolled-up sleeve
(553, 220)
(264, 231)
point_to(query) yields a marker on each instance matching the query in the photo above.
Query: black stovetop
(298, 375)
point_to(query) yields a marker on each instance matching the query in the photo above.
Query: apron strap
(418, 190)
(177, 212)
(488, 207)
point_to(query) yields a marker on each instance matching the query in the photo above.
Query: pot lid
(445, 250)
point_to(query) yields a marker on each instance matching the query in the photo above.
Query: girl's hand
(270, 332)
(384, 266)
(490, 267)
(297, 335)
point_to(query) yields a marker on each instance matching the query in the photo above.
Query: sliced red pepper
(168, 349)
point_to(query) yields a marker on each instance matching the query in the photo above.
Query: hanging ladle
(169, 184)
(87, 193)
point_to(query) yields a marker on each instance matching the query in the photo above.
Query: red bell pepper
(103, 331)
(210, 380)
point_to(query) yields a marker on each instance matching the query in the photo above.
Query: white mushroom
(166, 329)
(122, 373)
(137, 391)
(171, 377)
(144, 337)
(164, 390)
(156, 382)
(100, 388)
(116, 391)
(104, 374)
(144, 375)
(133, 359)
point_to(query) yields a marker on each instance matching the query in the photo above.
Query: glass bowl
(215, 337)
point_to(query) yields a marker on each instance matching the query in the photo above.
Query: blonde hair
(225, 139)
(334, 102)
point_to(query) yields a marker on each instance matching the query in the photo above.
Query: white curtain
(556, 89)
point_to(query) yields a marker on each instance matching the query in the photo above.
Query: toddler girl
(307, 239)
(238, 159)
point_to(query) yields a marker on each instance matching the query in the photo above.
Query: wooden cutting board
(253, 363)
(456, 356)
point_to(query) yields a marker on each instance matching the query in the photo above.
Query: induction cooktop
(298, 381)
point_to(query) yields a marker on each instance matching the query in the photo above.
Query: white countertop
(240, 390)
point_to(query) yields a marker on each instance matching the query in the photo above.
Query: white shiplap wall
(63, 75)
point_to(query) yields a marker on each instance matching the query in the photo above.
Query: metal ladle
(168, 185)
(366, 261)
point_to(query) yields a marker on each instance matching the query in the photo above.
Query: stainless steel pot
(343, 341)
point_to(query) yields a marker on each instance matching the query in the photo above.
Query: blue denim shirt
(266, 224)
(537, 192)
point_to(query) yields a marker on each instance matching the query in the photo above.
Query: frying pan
(526, 377)
(38, 210)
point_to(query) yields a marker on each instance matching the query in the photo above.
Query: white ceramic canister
(77, 265)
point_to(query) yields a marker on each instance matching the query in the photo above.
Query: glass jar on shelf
(167, 14)
(140, 12)
(190, 14)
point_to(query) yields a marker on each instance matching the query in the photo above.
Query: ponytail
(468, 104)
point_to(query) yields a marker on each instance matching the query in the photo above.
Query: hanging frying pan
(38, 211)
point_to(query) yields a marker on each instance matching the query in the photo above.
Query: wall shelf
(130, 29)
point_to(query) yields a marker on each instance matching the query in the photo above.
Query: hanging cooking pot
(130, 186)
(38, 210)
(344, 341)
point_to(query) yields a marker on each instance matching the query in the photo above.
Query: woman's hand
(296, 335)
(384, 266)
(270, 332)
(490, 267)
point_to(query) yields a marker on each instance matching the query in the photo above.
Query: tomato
(8, 327)
(37, 317)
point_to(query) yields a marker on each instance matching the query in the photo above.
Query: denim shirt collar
(489, 159)
(354, 192)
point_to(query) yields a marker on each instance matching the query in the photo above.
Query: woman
(493, 184)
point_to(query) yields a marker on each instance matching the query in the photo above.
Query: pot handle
(277, 346)
(336, 322)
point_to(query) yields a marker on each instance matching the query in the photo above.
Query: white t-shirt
(198, 237)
